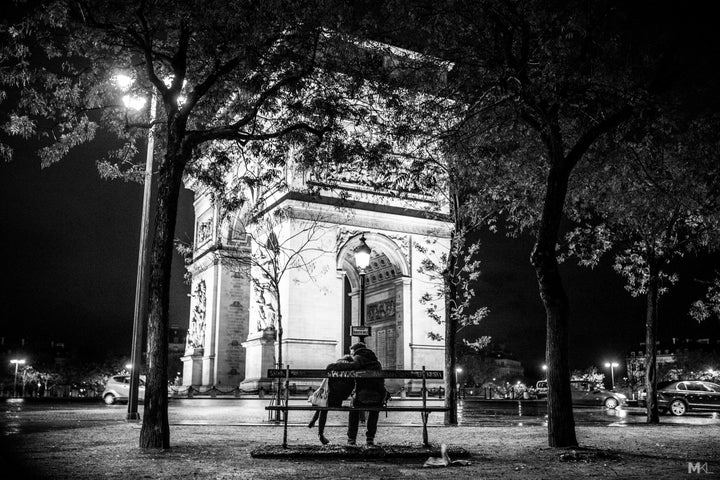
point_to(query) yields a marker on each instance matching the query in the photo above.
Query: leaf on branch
(435, 336)
(479, 344)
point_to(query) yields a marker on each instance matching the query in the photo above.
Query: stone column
(260, 348)
(192, 367)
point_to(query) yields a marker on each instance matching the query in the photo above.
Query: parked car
(679, 397)
(118, 389)
(642, 394)
(587, 393)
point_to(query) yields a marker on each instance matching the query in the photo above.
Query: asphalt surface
(86, 440)
(23, 416)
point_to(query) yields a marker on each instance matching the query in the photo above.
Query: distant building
(494, 366)
(33, 351)
(49, 355)
(675, 359)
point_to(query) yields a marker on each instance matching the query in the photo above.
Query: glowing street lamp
(133, 103)
(124, 82)
(362, 261)
(17, 363)
(458, 371)
(137, 103)
(611, 366)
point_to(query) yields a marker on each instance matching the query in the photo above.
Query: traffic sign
(358, 331)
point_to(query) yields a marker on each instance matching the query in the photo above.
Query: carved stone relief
(196, 332)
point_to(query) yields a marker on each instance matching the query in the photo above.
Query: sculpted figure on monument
(266, 310)
(196, 332)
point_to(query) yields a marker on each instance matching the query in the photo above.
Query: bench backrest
(317, 373)
(287, 374)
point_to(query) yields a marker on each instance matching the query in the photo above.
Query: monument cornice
(364, 214)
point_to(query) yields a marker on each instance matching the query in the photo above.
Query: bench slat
(318, 373)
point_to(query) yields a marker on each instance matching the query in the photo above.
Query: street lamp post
(612, 366)
(17, 363)
(141, 288)
(362, 261)
(458, 371)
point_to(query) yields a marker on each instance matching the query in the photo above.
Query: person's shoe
(323, 440)
(351, 441)
(311, 424)
(370, 442)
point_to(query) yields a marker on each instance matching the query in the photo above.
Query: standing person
(338, 390)
(369, 392)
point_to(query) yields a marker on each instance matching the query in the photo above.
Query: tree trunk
(155, 432)
(561, 424)
(651, 328)
(278, 415)
(451, 327)
(450, 335)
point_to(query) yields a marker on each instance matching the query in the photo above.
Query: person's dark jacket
(340, 389)
(368, 391)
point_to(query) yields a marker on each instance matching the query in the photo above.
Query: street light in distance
(17, 363)
(611, 366)
(458, 371)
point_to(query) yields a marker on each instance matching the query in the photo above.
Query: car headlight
(621, 396)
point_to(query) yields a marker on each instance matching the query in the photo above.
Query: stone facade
(214, 355)
(318, 303)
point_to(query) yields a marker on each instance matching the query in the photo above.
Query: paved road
(22, 417)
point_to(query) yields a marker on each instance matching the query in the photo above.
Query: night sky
(70, 243)
(606, 322)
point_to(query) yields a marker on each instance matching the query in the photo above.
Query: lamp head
(123, 81)
(362, 254)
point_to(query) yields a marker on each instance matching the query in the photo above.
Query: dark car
(679, 397)
(588, 393)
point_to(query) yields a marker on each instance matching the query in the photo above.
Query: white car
(118, 389)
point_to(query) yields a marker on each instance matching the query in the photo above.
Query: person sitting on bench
(369, 392)
(339, 389)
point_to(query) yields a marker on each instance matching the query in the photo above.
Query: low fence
(521, 408)
(191, 391)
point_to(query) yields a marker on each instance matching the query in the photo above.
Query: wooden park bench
(423, 375)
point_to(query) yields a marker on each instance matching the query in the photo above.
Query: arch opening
(383, 296)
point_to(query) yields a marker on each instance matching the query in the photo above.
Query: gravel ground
(75, 448)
